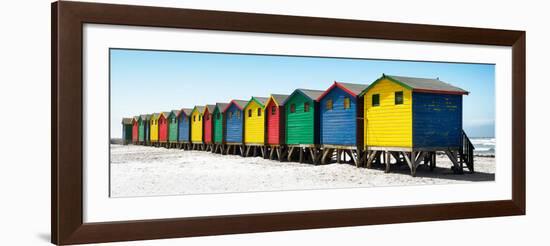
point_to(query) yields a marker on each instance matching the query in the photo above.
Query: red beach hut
(135, 130)
(275, 126)
(207, 116)
(163, 127)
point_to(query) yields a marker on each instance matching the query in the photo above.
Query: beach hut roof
(221, 106)
(279, 98)
(260, 100)
(199, 108)
(352, 89)
(166, 114)
(172, 112)
(186, 111)
(422, 85)
(210, 108)
(239, 103)
(127, 121)
(148, 116)
(311, 94)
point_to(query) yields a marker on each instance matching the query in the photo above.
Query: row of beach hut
(401, 118)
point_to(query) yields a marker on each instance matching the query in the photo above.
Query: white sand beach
(150, 171)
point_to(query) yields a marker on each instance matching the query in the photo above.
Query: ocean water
(484, 146)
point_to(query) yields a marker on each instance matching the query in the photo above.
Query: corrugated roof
(210, 107)
(312, 94)
(280, 98)
(127, 121)
(199, 108)
(355, 88)
(350, 88)
(241, 103)
(221, 106)
(429, 85)
(262, 100)
(187, 111)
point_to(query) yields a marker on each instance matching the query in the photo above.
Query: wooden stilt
(290, 152)
(354, 158)
(414, 163)
(372, 156)
(433, 164)
(387, 161)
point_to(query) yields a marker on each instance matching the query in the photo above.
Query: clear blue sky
(152, 81)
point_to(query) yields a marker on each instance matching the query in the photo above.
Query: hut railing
(467, 151)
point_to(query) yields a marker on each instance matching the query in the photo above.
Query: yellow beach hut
(254, 126)
(154, 129)
(410, 119)
(196, 127)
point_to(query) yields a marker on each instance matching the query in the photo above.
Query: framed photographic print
(175, 122)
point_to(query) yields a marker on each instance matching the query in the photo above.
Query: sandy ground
(150, 171)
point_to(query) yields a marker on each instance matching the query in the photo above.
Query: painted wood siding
(218, 126)
(141, 131)
(300, 125)
(437, 120)
(135, 131)
(127, 132)
(273, 113)
(254, 124)
(173, 129)
(154, 130)
(388, 125)
(234, 125)
(207, 127)
(183, 128)
(147, 131)
(196, 127)
(338, 125)
(163, 129)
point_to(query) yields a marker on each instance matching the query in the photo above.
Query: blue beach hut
(183, 125)
(234, 122)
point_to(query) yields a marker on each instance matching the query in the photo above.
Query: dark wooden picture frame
(67, 123)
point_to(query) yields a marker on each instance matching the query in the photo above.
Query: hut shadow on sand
(437, 173)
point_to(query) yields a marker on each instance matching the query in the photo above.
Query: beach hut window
(218, 116)
(200, 117)
(230, 115)
(293, 108)
(398, 97)
(250, 113)
(194, 118)
(259, 112)
(329, 104)
(306, 107)
(376, 100)
(238, 115)
(346, 103)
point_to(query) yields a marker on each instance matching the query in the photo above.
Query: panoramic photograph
(185, 123)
